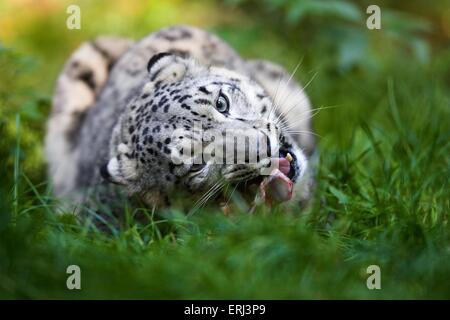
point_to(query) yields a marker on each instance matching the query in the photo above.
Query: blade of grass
(16, 173)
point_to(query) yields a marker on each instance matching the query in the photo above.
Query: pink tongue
(277, 187)
(284, 166)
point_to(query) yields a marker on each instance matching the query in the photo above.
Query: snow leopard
(123, 111)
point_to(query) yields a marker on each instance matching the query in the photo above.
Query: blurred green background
(382, 195)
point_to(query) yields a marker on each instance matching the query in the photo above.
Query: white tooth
(289, 157)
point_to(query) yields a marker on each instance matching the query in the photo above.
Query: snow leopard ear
(166, 66)
(120, 169)
(108, 174)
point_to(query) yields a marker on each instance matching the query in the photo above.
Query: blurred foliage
(382, 191)
(338, 26)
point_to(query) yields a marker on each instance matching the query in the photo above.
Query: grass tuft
(382, 195)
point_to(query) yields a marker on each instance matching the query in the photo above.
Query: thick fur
(117, 105)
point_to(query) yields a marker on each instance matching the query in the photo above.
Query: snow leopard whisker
(213, 193)
(275, 104)
(297, 92)
(306, 132)
(207, 195)
(208, 192)
(232, 192)
(300, 91)
(313, 112)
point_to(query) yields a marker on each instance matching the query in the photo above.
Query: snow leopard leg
(77, 87)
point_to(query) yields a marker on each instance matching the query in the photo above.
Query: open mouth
(278, 186)
(292, 160)
(273, 188)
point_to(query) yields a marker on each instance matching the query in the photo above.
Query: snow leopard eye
(222, 103)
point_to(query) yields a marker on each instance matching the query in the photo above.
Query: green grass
(382, 193)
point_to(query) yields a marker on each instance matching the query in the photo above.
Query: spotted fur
(117, 105)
